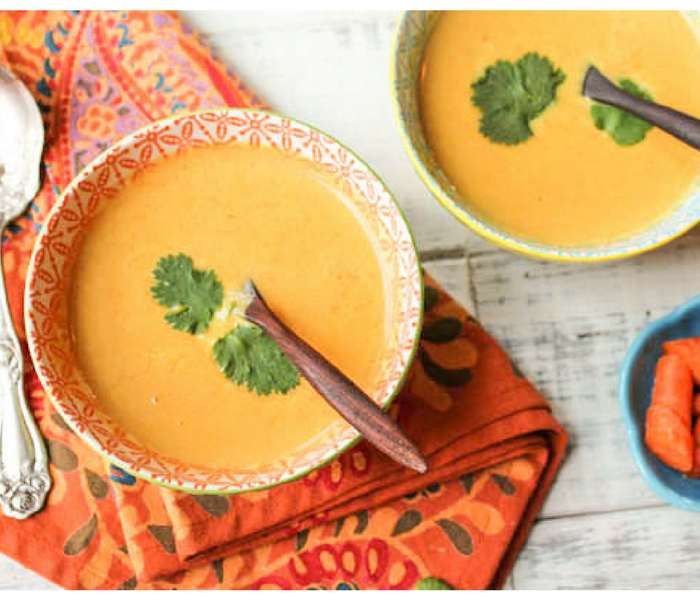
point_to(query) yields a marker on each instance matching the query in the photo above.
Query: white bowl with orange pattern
(50, 272)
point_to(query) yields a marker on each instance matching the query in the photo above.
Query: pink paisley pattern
(357, 523)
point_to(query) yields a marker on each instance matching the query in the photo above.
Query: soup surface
(570, 183)
(242, 212)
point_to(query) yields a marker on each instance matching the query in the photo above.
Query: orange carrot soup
(580, 175)
(235, 212)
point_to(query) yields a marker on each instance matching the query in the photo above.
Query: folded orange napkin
(359, 522)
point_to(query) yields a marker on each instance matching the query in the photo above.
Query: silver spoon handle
(24, 471)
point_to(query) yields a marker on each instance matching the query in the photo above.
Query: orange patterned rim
(48, 282)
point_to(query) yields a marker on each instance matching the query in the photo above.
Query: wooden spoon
(599, 88)
(343, 395)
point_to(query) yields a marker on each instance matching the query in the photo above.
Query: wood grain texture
(568, 327)
(652, 548)
(453, 274)
(13, 576)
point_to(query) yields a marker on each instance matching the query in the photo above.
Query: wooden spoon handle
(686, 128)
(342, 394)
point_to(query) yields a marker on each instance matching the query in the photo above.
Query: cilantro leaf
(432, 584)
(248, 356)
(192, 295)
(625, 128)
(510, 95)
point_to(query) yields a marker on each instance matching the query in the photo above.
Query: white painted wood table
(567, 326)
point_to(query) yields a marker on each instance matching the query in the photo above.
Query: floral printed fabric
(359, 522)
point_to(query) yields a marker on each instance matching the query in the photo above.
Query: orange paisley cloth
(360, 522)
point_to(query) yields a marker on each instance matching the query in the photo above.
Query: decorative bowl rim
(125, 142)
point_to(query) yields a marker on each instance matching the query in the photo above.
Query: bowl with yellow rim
(51, 276)
(412, 34)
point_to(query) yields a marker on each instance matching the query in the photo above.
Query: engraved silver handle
(24, 472)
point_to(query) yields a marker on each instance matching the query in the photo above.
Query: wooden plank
(210, 22)
(14, 576)
(651, 548)
(332, 70)
(568, 327)
(453, 275)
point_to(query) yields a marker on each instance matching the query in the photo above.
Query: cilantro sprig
(246, 354)
(510, 95)
(193, 296)
(623, 127)
(250, 357)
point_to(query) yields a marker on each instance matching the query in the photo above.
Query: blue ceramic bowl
(636, 382)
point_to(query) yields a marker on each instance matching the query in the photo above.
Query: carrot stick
(689, 350)
(669, 438)
(668, 420)
(673, 387)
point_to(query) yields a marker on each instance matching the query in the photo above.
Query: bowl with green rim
(50, 273)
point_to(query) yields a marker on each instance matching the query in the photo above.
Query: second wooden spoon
(599, 88)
